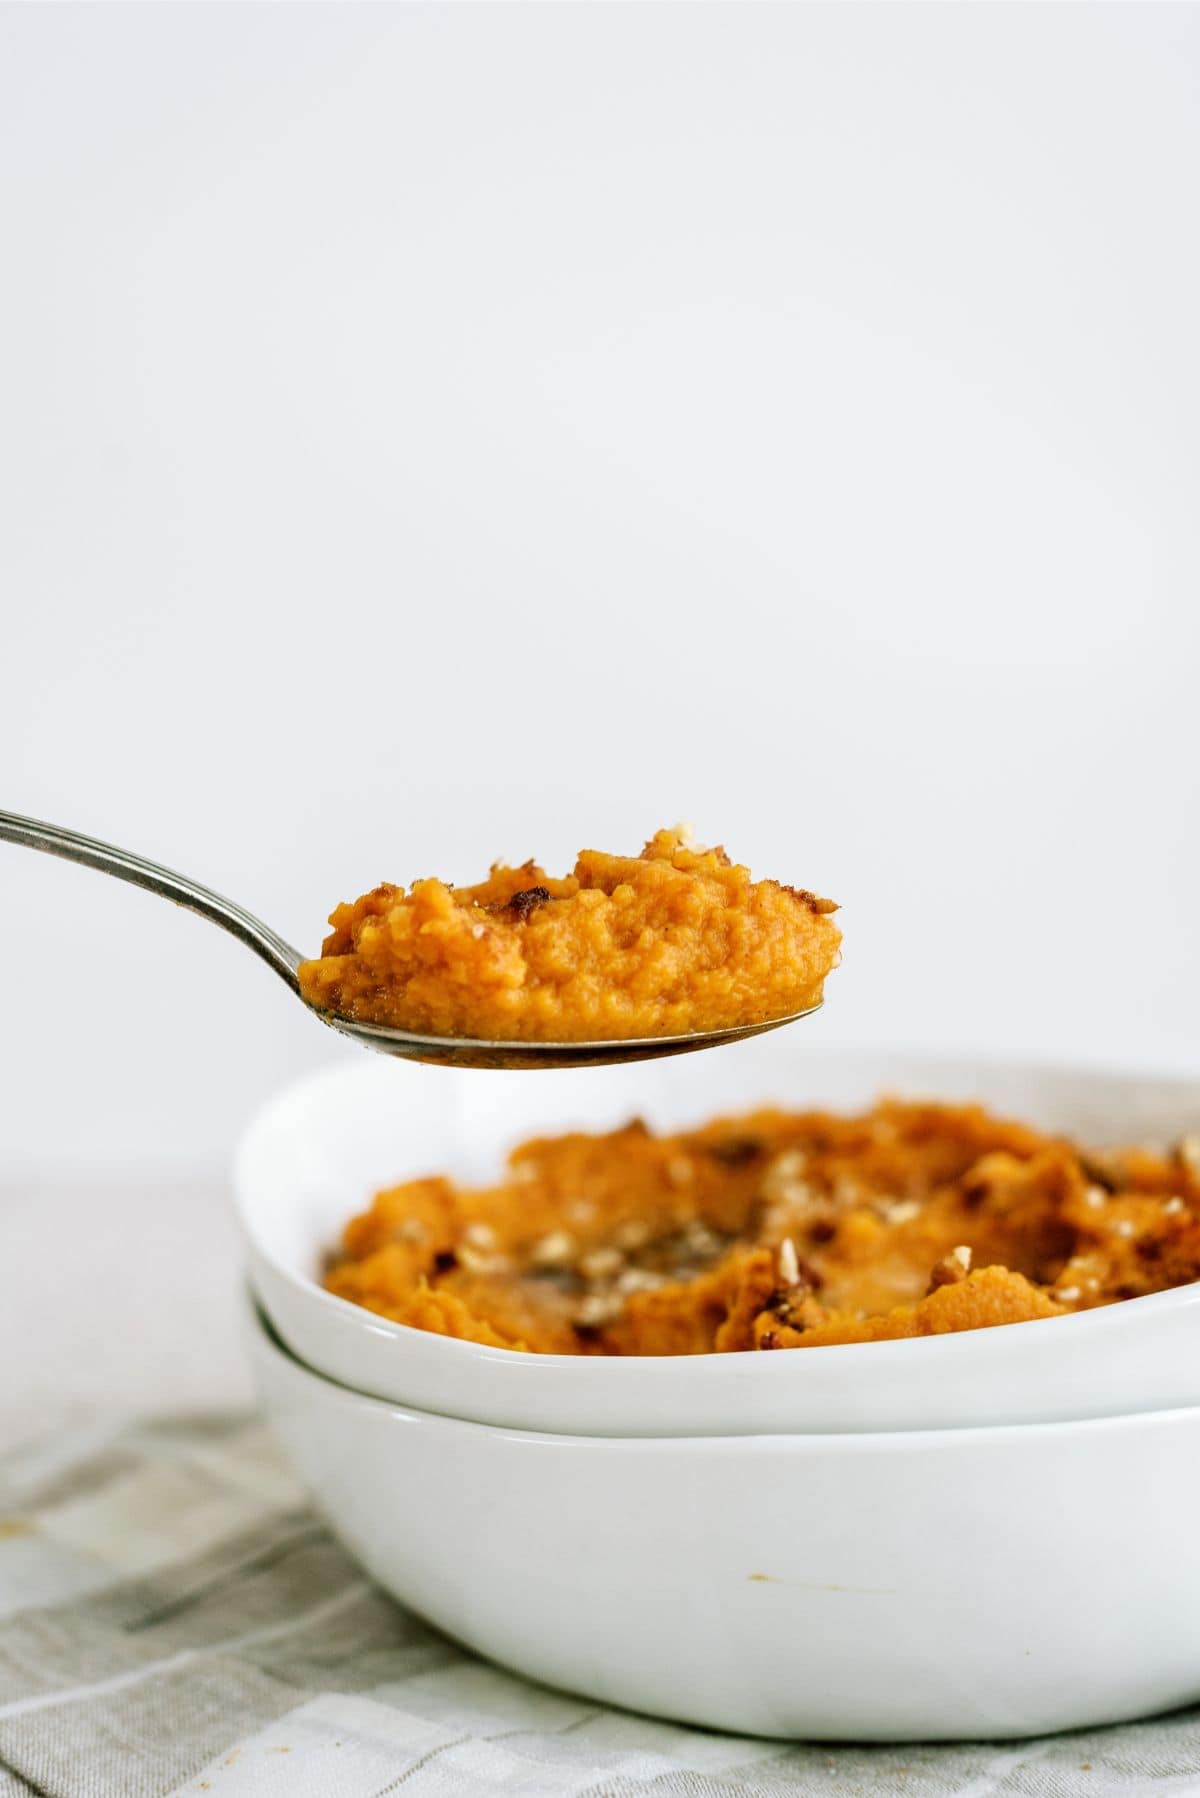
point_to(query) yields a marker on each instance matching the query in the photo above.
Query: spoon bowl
(472, 1052)
(279, 955)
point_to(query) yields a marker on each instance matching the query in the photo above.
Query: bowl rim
(387, 1329)
(266, 1342)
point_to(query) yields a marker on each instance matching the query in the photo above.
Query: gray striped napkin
(175, 1619)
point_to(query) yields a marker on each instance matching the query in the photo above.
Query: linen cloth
(175, 1619)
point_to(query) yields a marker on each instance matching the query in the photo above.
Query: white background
(429, 434)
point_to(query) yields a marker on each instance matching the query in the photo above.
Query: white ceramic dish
(317, 1153)
(960, 1583)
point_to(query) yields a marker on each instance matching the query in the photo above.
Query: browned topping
(521, 904)
(796, 1307)
(735, 1151)
(812, 901)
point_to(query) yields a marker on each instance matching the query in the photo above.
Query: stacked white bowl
(983, 1535)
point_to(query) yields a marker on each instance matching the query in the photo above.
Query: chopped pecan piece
(951, 1268)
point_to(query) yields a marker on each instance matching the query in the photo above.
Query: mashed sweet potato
(776, 1230)
(674, 940)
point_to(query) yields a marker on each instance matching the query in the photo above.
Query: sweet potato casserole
(776, 1230)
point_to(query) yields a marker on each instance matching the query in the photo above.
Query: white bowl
(319, 1151)
(960, 1583)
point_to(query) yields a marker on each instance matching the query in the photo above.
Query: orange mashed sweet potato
(674, 940)
(776, 1230)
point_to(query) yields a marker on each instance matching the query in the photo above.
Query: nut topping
(555, 1250)
(951, 1268)
(601, 1264)
(476, 1262)
(597, 1309)
(789, 1266)
(902, 1212)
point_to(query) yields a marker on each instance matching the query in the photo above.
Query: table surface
(117, 1297)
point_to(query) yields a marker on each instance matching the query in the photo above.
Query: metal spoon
(456, 1051)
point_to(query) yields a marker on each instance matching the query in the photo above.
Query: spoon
(452, 1051)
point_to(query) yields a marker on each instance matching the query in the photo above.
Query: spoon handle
(168, 885)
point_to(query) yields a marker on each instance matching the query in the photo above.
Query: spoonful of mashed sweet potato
(625, 958)
(677, 941)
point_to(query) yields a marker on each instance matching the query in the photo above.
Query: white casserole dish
(926, 1584)
(318, 1152)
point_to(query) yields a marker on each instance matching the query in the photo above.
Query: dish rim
(267, 1341)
